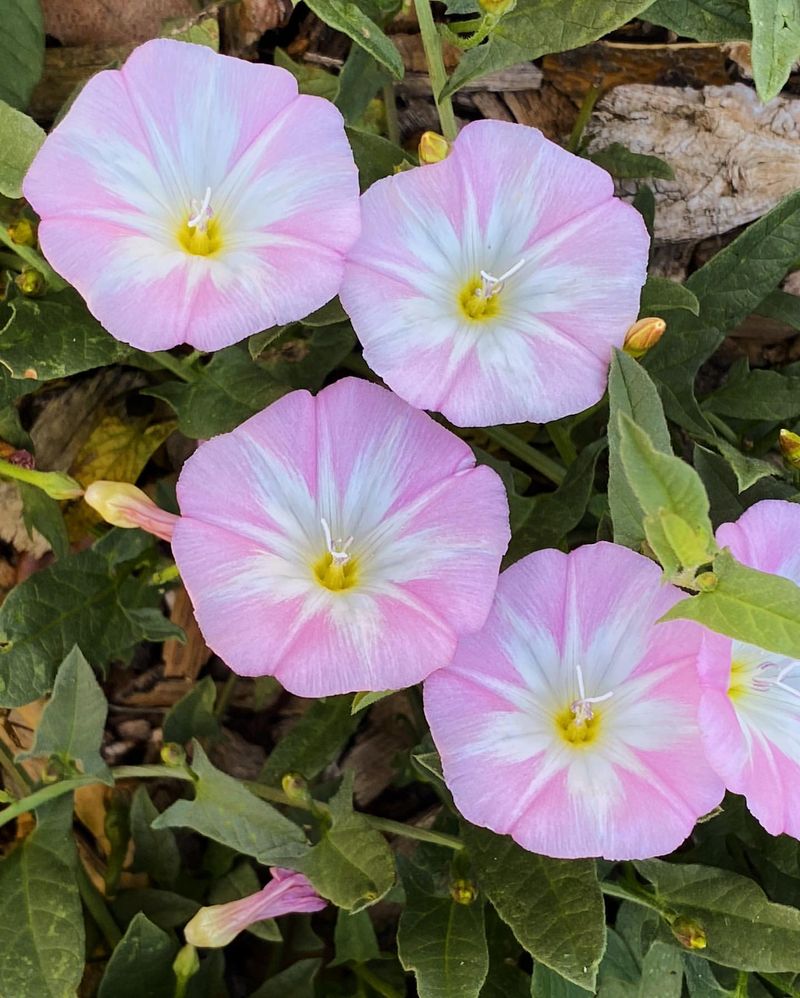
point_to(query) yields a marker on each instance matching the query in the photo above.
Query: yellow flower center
(740, 680)
(336, 575)
(200, 242)
(577, 730)
(474, 304)
(200, 233)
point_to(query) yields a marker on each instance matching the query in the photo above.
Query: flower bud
(433, 148)
(185, 966)
(497, 7)
(295, 788)
(55, 483)
(218, 924)
(790, 448)
(463, 891)
(30, 282)
(689, 933)
(125, 505)
(22, 232)
(643, 335)
(706, 582)
(173, 755)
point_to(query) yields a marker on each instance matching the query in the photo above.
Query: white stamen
(582, 707)
(337, 551)
(494, 285)
(202, 213)
(767, 682)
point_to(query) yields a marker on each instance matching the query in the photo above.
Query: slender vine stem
(226, 695)
(530, 455)
(390, 107)
(723, 428)
(97, 907)
(432, 45)
(272, 794)
(373, 981)
(178, 367)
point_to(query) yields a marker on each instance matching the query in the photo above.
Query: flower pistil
(479, 297)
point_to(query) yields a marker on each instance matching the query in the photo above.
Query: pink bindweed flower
(570, 721)
(189, 196)
(493, 285)
(340, 543)
(288, 892)
(750, 710)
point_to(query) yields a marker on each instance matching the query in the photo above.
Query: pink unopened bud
(124, 505)
(287, 892)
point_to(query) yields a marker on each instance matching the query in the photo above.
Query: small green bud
(689, 933)
(497, 7)
(433, 148)
(173, 754)
(22, 232)
(463, 891)
(185, 966)
(706, 582)
(30, 282)
(790, 448)
(295, 788)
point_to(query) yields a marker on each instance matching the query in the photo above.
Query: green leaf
(660, 295)
(743, 929)
(296, 981)
(341, 15)
(554, 907)
(546, 983)
(74, 719)
(354, 938)
(727, 502)
(630, 391)
(759, 394)
(141, 964)
(748, 470)
(311, 79)
(197, 32)
(227, 391)
(54, 337)
(665, 484)
(314, 741)
(623, 164)
(225, 811)
(155, 850)
(21, 50)
(193, 715)
(375, 156)
(552, 515)
(165, 909)
(532, 30)
(41, 923)
(705, 20)
(729, 288)
(776, 43)
(351, 865)
(20, 138)
(84, 600)
(40, 512)
(441, 941)
(360, 80)
(662, 972)
(751, 606)
(363, 700)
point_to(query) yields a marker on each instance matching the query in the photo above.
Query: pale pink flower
(288, 892)
(195, 198)
(570, 721)
(750, 710)
(492, 286)
(340, 543)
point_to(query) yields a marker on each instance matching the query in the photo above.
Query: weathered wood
(110, 22)
(734, 158)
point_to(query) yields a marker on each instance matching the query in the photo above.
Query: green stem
(741, 985)
(225, 696)
(617, 890)
(368, 977)
(42, 796)
(589, 101)
(96, 906)
(173, 364)
(17, 774)
(412, 832)
(390, 108)
(55, 483)
(33, 259)
(530, 455)
(723, 428)
(438, 75)
(562, 442)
